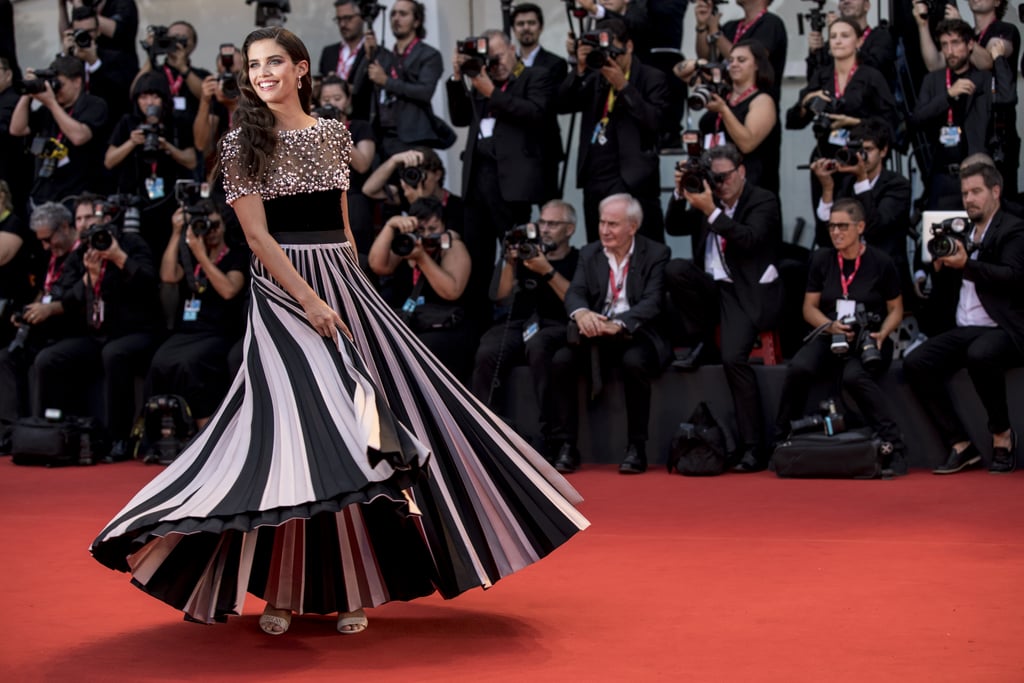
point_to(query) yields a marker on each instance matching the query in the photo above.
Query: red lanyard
(744, 26)
(444, 199)
(53, 273)
(99, 281)
(216, 261)
(174, 82)
(846, 281)
(616, 288)
(949, 113)
(835, 82)
(864, 36)
(401, 58)
(416, 273)
(981, 36)
(345, 64)
(734, 101)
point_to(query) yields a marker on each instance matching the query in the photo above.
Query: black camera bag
(37, 441)
(698, 448)
(847, 455)
(160, 413)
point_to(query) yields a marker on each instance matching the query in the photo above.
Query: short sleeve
(237, 182)
(818, 270)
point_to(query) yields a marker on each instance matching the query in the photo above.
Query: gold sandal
(275, 621)
(350, 623)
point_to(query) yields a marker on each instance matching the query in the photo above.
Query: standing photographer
(118, 24)
(176, 43)
(984, 270)
(108, 72)
(217, 107)
(853, 300)
(64, 128)
(757, 24)
(349, 59)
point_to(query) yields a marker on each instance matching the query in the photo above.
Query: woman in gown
(346, 467)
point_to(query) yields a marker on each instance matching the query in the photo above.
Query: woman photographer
(747, 116)
(148, 152)
(851, 280)
(211, 277)
(336, 102)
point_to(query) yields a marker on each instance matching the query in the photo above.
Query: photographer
(430, 271)
(17, 256)
(118, 24)
(733, 279)
(414, 174)
(15, 165)
(757, 24)
(984, 270)
(623, 105)
(746, 115)
(108, 72)
(632, 12)
(176, 43)
(954, 107)
(853, 301)
(217, 106)
(150, 150)
(349, 59)
(116, 299)
(614, 302)
(65, 144)
(211, 279)
(536, 273)
(878, 50)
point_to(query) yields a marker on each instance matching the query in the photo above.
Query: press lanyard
(97, 302)
(174, 82)
(846, 281)
(401, 58)
(743, 26)
(733, 102)
(616, 288)
(53, 273)
(949, 113)
(216, 262)
(609, 104)
(345, 64)
(835, 82)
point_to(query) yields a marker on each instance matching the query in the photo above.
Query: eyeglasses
(841, 227)
(719, 178)
(45, 241)
(551, 224)
(345, 18)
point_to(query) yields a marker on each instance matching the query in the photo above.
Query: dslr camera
(815, 17)
(370, 10)
(82, 38)
(163, 42)
(118, 213)
(51, 151)
(604, 48)
(328, 111)
(828, 419)
(525, 239)
(36, 85)
(696, 168)
(412, 175)
(821, 124)
(404, 242)
(18, 343)
(705, 83)
(474, 47)
(100, 236)
(863, 323)
(270, 12)
(194, 200)
(946, 234)
(151, 151)
(849, 155)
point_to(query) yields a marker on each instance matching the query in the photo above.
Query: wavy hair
(253, 118)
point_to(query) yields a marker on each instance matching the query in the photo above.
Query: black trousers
(194, 366)
(64, 369)
(639, 362)
(538, 352)
(702, 304)
(816, 360)
(986, 352)
(653, 225)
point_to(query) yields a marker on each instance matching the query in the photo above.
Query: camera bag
(163, 429)
(847, 455)
(37, 441)
(698, 448)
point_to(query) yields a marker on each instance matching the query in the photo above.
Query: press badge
(155, 188)
(714, 140)
(599, 137)
(63, 161)
(845, 308)
(839, 137)
(410, 304)
(530, 330)
(487, 127)
(949, 136)
(191, 312)
(47, 298)
(179, 103)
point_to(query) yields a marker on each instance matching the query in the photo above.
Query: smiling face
(843, 230)
(274, 76)
(742, 65)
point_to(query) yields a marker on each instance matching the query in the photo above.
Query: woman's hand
(326, 321)
(137, 137)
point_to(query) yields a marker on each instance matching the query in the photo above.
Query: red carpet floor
(736, 578)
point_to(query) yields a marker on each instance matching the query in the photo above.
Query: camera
(82, 38)
(370, 10)
(194, 199)
(120, 211)
(849, 155)
(816, 18)
(51, 151)
(695, 168)
(821, 124)
(863, 323)
(34, 86)
(525, 239)
(475, 47)
(705, 83)
(18, 343)
(404, 242)
(99, 237)
(946, 234)
(829, 420)
(329, 111)
(412, 175)
(151, 151)
(168, 417)
(603, 50)
(270, 12)
(229, 85)
(163, 42)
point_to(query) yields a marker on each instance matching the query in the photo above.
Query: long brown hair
(253, 118)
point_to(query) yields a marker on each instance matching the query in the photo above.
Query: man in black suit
(348, 58)
(884, 195)
(527, 25)
(732, 281)
(623, 106)
(632, 12)
(988, 336)
(108, 73)
(502, 165)
(405, 79)
(615, 302)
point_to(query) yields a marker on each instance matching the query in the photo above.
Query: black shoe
(635, 461)
(118, 452)
(687, 359)
(568, 459)
(893, 457)
(748, 463)
(956, 462)
(1004, 460)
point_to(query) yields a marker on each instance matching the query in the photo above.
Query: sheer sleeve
(237, 182)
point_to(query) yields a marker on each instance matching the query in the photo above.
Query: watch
(713, 38)
(702, 29)
(546, 277)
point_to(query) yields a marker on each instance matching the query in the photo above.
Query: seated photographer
(209, 320)
(757, 24)
(536, 273)
(335, 101)
(858, 173)
(116, 301)
(118, 24)
(108, 72)
(614, 301)
(839, 97)
(41, 322)
(18, 255)
(982, 267)
(740, 109)
(853, 301)
(217, 106)
(149, 151)
(733, 280)
(65, 130)
(410, 175)
(430, 268)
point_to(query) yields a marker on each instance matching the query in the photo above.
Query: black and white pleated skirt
(340, 475)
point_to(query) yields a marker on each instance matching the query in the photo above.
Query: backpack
(55, 443)
(163, 429)
(698, 448)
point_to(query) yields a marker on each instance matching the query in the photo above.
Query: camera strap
(844, 280)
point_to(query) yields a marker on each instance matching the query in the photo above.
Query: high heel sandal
(275, 621)
(350, 623)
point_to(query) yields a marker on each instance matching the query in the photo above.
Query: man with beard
(348, 58)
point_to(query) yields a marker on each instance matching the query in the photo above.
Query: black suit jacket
(418, 74)
(554, 148)
(933, 105)
(753, 240)
(644, 288)
(886, 214)
(520, 111)
(358, 78)
(997, 274)
(638, 118)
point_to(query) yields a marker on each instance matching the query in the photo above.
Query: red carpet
(735, 578)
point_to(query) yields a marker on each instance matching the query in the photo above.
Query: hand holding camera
(705, 13)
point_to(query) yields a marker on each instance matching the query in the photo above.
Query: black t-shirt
(875, 283)
(15, 283)
(770, 31)
(133, 171)
(1008, 32)
(216, 314)
(763, 162)
(536, 296)
(185, 110)
(126, 14)
(80, 171)
(360, 130)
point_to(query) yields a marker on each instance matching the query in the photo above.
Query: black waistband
(318, 237)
